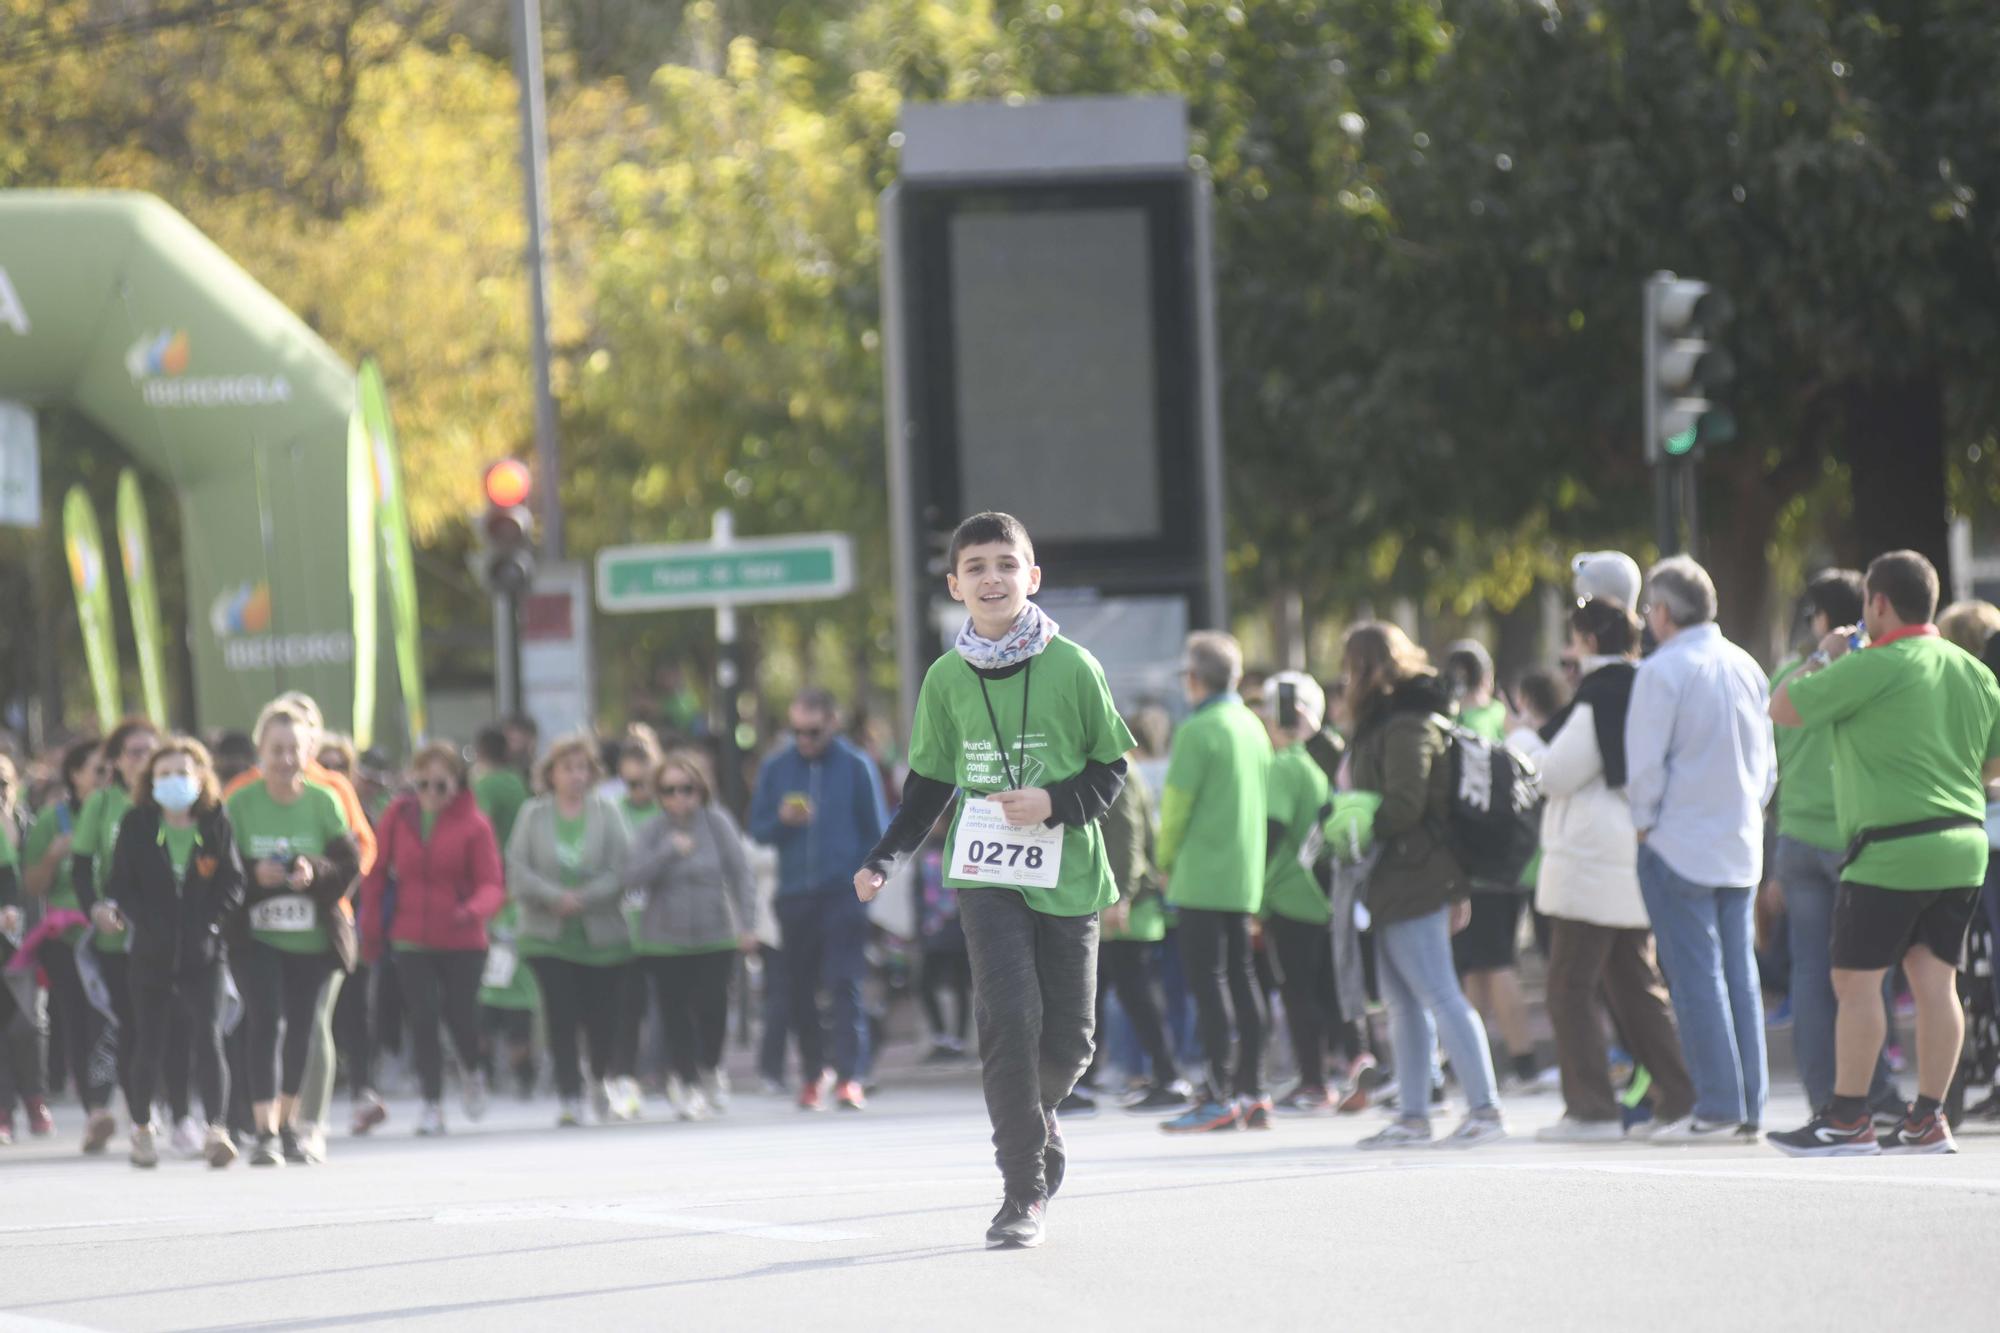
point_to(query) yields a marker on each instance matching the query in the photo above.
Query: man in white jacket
(1589, 890)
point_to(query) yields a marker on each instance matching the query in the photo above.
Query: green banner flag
(142, 590)
(361, 575)
(85, 547)
(398, 563)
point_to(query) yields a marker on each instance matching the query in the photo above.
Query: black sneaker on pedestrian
(1890, 1112)
(1080, 1102)
(1824, 1136)
(1055, 1156)
(1173, 1096)
(1927, 1137)
(1018, 1225)
(266, 1153)
(288, 1139)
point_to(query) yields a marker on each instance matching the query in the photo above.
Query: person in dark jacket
(1417, 892)
(439, 852)
(819, 802)
(175, 880)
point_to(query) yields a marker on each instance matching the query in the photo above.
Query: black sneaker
(1824, 1136)
(1912, 1137)
(1055, 1157)
(1018, 1225)
(1081, 1101)
(266, 1153)
(1888, 1113)
(1173, 1096)
(288, 1140)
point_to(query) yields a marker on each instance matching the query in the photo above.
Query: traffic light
(1685, 368)
(507, 530)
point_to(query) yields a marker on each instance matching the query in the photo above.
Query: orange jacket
(350, 804)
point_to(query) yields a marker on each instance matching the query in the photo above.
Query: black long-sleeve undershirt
(1073, 803)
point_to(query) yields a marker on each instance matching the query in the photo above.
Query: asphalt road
(772, 1218)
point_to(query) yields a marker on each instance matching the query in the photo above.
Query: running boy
(1022, 720)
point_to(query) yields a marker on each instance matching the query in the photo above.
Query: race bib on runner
(285, 914)
(500, 965)
(988, 849)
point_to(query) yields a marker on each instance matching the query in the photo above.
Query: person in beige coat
(1589, 890)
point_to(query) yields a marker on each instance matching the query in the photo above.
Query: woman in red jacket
(436, 883)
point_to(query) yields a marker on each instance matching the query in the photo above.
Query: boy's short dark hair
(986, 529)
(1909, 581)
(1836, 594)
(490, 744)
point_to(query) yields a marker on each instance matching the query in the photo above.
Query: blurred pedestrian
(1700, 768)
(1296, 911)
(49, 877)
(1133, 931)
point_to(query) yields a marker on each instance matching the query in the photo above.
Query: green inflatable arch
(114, 303)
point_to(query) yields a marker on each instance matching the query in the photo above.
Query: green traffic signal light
(1680, 444)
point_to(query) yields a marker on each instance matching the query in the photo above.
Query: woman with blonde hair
(698, 913)
(176, 878)
(1417, 891)
(565, 868)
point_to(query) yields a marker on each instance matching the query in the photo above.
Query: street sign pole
(728, 674)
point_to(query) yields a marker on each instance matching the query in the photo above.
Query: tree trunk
(1895, 452)
(1736, 539)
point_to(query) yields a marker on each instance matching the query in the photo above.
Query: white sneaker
(571, 1115)
(187, 1138)
(626, 1102)
(472, 1095)
(697, 1106)
(1571, 1130)
(1398, 1134)
(1546, 1081)
(143, 1153)
(430, 1124)
(677, 1097)
(1476, 1130)
(1691, 1130)
(715, 1087)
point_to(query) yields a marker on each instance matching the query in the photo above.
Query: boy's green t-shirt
(1297, 796)
(96, 836)
(1070, 722)
(500, 796)
(268, 829)
(1806, 810)
(1911, 724)
(1212, 813)
(572, 944)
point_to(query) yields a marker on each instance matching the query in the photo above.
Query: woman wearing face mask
(126, 751)
(299, 860)
(175, 878)
(440, 850)
(693, 879)
(46, 875)
(565, 864)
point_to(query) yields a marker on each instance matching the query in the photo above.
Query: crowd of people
(222, 934)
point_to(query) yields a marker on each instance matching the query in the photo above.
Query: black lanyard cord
(1027, 675)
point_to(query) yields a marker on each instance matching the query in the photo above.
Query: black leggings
(194, 998)
(441, 984)
(1304, 955)
(693, 994)
(280, 991)
(575, 995)
(1215, 951)
(948, 970)
(79, 1024)
(1123, 969)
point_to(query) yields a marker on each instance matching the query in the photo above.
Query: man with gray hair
(1211, 848)
(1700, 769)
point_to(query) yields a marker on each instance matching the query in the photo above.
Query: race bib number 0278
(989, 850)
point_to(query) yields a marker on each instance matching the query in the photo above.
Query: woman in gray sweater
(698, 915)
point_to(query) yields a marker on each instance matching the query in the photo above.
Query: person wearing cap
(1700, 768)
(1297, 799)
(1611, 575)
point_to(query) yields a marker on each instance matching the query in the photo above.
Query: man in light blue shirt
(1700, 769)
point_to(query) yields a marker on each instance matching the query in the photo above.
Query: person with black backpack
(1403, 750)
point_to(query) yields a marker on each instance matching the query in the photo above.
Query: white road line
(21, 1323)
(646, 1213)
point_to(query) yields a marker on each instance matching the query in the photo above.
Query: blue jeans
(1810, 878)
(1426, 1004)
(1707, 939)
(826, 940)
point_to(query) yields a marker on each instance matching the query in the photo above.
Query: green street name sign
(805, 567)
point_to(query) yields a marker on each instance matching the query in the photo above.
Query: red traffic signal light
(508, 483)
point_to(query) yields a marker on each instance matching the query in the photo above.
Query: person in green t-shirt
(48, 874)
(300, 862)
(1805, 869)
(496, 786)
(1298, 798)
(1213, 839)
(126, 752)
(1914, 724)
(1020, 719)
